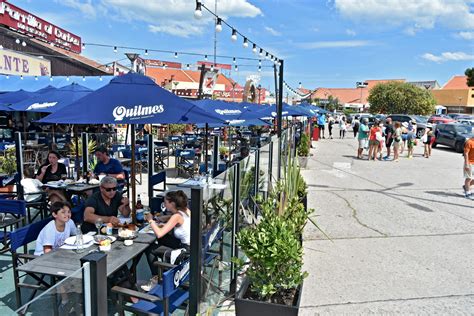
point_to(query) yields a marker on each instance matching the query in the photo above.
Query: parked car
(421, 123)
(466, 121)
(454, 116)
(453, 135)
(440, 118)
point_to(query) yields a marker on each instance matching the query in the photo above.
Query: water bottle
(79, 240)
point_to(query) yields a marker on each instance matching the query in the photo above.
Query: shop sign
(161, 63)
(27, 23)
(14, 63)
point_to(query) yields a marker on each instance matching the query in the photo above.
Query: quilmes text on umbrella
(228, 112)
(43, 105)
(120, 112)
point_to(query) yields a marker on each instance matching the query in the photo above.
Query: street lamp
(460, 105)
(132, 57)
(361, 85)
(259, 87)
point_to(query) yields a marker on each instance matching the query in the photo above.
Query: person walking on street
(426, 139)
(321, 124)
(342, 127)
(363, 137)
(397, 140)
(411, 138)
(374, 135)
(331, 122)
(468, 168)
(388, 137)
(355, 125)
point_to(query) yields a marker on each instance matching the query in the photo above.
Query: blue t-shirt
(113, 167)
(321, 119)
(363, 131)
(49, 236)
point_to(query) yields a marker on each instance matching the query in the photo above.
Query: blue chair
(163, 299)
(186, 161)
(78, 213)
(13, 213)
(21, 237)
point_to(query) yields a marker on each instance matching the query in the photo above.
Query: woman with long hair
(52, 170)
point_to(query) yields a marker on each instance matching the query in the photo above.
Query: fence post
(257, 179)
(196, 251)
(96, 283)
(235, 224)
(19, 164)
(215, 156)
(151, 164)
(85, 153)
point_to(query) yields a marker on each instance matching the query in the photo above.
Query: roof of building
(372, 83)
(344, 95)
(428, 84)
(456, 82)
(164, 76)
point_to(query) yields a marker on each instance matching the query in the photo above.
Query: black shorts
(321, 126)
(388, 142)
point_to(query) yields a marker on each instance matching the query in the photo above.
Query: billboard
(27, 23)
(14, 63)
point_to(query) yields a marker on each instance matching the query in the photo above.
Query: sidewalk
(402, 234)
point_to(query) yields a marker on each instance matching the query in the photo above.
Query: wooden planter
(7, 189)
(247, 307)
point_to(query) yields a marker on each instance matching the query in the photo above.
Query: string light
(266, 55)
(219, 25)
(205, 57)
(233, 60)
(1, 46)
(100, 78)
(175, 55)
(259, 68)
(8, 77)
(198, 11)
(67, 78)
(212, 67)
(146, 52)
(83, 46)
(246, 43)
(51, 78)
(187, 66)
(17, 41)
(36, 78)
(236, 68)
(83, 78)
(259, 62)
(23, 43)
(21, 77)
(234, 35)
(115, 49)
(261, 52)
(254, 48)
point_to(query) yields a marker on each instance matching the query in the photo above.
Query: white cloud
(351, 32)
(413, 15)
(272, 31)
(448, 56)
(466, 35)
(165, 16)
(333, 44)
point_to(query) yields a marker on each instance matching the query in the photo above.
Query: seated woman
(52, 170)
(179, 223)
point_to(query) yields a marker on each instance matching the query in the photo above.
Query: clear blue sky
(325, 43)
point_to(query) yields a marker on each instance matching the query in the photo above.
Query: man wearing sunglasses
(105, 204)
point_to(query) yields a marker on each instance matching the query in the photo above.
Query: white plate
(71, 241)
(112, 238)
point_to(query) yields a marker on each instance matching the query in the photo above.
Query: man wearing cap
(363, 137)
(468, 168)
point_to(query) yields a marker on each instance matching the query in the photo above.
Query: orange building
(456, 96)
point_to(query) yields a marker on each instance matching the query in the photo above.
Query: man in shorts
(468, 168)
(388, 137)
(363, 137)
(321, 124)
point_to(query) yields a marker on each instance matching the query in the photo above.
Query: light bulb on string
(234, 35)
(21, 77)
(107, 68)
(254, 48)
(100, 78)
(205, 57)
(261, 52)
(17, 41)
(8, 77)
(36, 78)
(23, 43)
(51, 78)
(266, 55)
(212, 67)
(198, 11)
(219, 25)
(83, 46)
(115, 49)
(83, 78)
(234, 60)
(67, 78)
(259, 62)
(146, 52)
(187, 66)
(259, 68)
(176, 55)
(246, 43)
(1, 46)
(236, 68)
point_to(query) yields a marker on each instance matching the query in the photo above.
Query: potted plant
(303, 150)
(8, 167)
(223, 152)
(176, 129)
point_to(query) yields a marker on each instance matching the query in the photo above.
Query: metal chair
(12, 213)
(21, 237)
(163, 299)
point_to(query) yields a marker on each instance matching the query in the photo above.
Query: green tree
(333, 103)
(400, 97)
(470, 77)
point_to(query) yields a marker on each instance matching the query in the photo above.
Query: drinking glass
(98, 224)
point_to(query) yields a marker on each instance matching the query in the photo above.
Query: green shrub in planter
(275, 253)
(303, 147)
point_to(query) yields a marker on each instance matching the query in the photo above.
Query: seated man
(108, 166)
(105, 204)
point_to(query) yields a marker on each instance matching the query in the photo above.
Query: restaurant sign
(14, 63)
(27, 23)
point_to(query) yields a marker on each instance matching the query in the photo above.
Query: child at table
(53, 235)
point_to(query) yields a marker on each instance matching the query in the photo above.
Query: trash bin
(316, 133)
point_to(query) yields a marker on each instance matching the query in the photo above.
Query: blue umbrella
(230, 112)
(50, 99)
(131, 99)
(270, 111)
(15, 96)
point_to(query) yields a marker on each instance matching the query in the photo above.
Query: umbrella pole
(206, 141)
(76, 142)
(133, 173)
(126, 135)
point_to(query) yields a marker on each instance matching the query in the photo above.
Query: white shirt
(50, 236)
(183, 232)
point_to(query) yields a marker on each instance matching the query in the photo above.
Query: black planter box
(246, 307)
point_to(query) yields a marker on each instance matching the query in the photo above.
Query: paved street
(402, 234)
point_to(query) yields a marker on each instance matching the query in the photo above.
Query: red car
(440, 119)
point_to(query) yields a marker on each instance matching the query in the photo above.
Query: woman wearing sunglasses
(105, 204)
